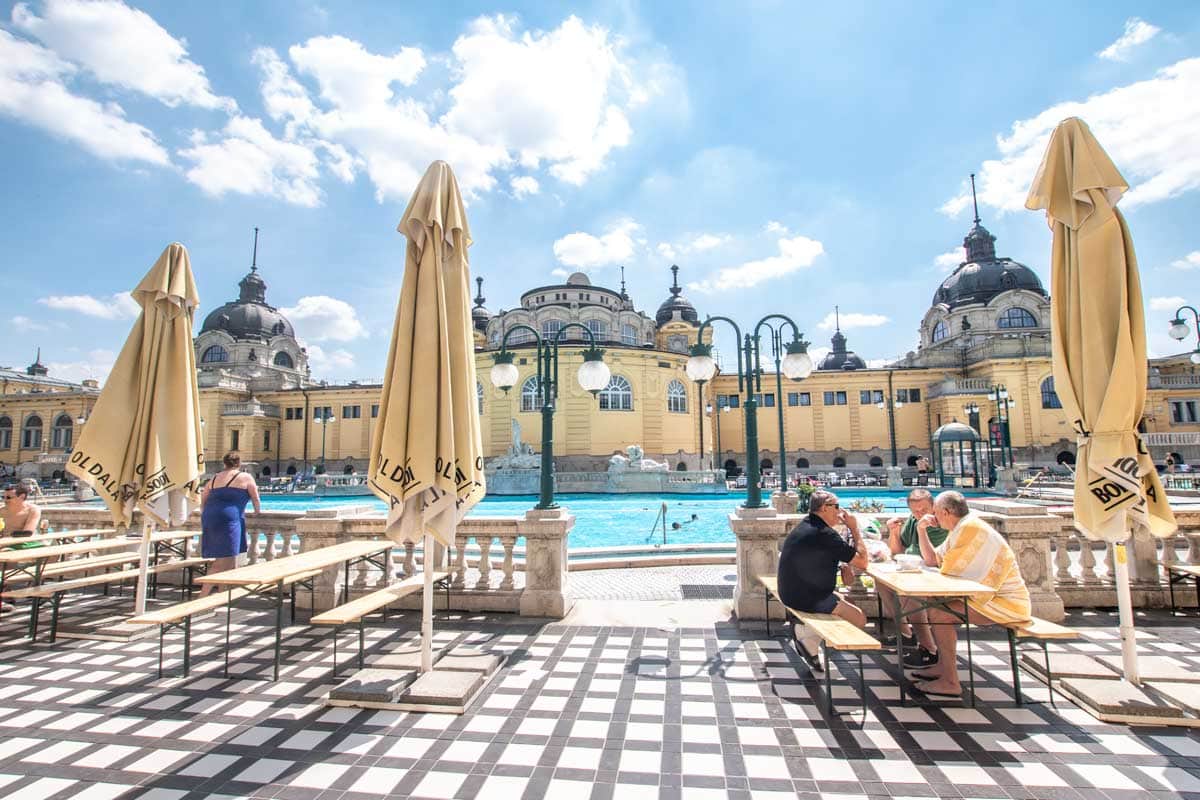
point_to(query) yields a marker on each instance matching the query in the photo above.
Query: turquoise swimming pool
(616, 520)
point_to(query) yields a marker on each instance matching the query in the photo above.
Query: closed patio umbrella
(426, 451)
(1099, 350)
(141, 448)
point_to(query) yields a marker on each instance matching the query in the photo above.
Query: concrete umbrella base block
(104, 628)
(457, 679)
(1115, 700)
(1066, 665)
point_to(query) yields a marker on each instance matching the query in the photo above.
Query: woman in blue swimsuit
(223, 515)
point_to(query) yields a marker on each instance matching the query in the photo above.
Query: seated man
(976, 551)
(902, 538)
(808, 567)
(20, 517)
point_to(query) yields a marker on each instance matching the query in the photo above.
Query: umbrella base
(107, 627)
(451, 687)
(1116, 700)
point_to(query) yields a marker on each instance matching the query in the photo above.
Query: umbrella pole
(139, 601)
(1125, 611)
(427, 567)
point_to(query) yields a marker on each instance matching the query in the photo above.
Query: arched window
(60, 434)
(266, 472)
(940, 331)
(1049, 396)
(1017, 318)
(767, 464)
(348, 469)
(291, 470)
(531, 398)
(494, 337)
(599, 328)
(912, 461)
(731, 467)
(839, 462)
(521, 337)
(282, 359)
(1065, 457)
(676, 397)
(628, 334)
(31, 434)
(617, 396)
(681, 467)
(215, 355)
(550, 328)
(876, 461)
(5, 433)
(479, 396)
(801, 463)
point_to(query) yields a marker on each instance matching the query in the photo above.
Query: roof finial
(623, 282)
(254, 258)
(675, 279)
(974, 200)
(479, 298)
(837, 320)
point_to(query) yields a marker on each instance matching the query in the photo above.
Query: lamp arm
(537, 340)
(737, 331)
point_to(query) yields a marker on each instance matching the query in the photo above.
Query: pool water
(616, 520)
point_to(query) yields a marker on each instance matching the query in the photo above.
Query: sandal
(920, 688)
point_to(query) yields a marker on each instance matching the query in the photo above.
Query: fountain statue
(634, 460)
(519, 456)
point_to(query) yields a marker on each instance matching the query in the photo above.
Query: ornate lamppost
(702, 407)
(779, 351)
(796, 365)
(1179, 329)
(593, 376)
(890, 404)
(999, 396)
(324, 419)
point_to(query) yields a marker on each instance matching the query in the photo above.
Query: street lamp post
(796, 365)
(778, 351)
(701, 406)
(593, 376)
(891, 404)
(1179, 329)
(708, 412)
(999, 396)
(323, 420)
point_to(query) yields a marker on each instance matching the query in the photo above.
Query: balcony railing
(960, 386)
(1174, 382)
(252, 408)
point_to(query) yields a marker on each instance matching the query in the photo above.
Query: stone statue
(519, 456)
(634, 460)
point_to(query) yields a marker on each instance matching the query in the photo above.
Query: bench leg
(1016, 669)
(361, 642)
(767, 610)
(55, 603)
(1049, 675)
(187, 644)
(1171, 589)
(228, 614)
(335, 633)
(278, 625)
(162, 632)
(828, 679)
(293, 593)
(970, 658)
(1198, 593)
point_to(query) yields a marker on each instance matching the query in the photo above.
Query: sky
(788, 157)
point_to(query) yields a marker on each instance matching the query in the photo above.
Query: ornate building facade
(987, 326)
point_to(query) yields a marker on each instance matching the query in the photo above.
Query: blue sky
(789, 157)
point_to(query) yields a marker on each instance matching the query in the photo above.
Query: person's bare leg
(888, 599)
(850, 613)
(217, 565)
(921, 627)
(945, 634)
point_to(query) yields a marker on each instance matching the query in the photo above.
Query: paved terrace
(578, 711)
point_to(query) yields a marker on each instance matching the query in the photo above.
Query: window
(233, 439)
(835, 398)
(60, 434)
(598, 327)
(31, 434)
(214, 355)
(266, 440)
(908, 395)
(940, 331)
(1049, 396)
(374, 410)
(839, 462)
(768, 401)
(876, 461)
(550, 328)
(617, 396)
(494, 338)
(351, 412)
(290, 413)
(299, 412)
(531, 398)
(628, 334)
(793, 399)
(478, 397)
(731, 401)
(521, 336)
(828, 399)
(676, 398)
(1184, 411)
(1017, 318)
(841, 398)
(5, 433)
(322, 412)
(282, 359)
(864, 397)
(801, 463)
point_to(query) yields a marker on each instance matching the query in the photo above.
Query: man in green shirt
(902, 538)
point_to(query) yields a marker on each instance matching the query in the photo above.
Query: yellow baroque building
(987, 326)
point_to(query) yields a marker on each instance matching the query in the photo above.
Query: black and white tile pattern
(576, 713)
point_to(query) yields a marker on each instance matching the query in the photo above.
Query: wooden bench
(55, 591)
(356, 610)
(1041, 632)
(60, 568)
(1179, 573)
(835, 634)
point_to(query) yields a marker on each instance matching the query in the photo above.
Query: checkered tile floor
(576, 713)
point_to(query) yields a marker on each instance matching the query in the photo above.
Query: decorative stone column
(895, 479)
(785, 502)
(1029, 531)
(759, 533)
(547, 590)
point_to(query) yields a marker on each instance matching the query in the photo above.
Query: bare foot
(940, 687)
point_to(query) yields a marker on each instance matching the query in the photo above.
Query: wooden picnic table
(57, 536)
(269, 577)
(932, 589)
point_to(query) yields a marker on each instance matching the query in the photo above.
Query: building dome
(954, 432)
(479, 314)
(983, 276)
(676, 302)
(249, 317)
(578, 279)
(839, 358)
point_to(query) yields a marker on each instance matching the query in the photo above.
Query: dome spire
(479, 298)
(253, 288)
(254, 257)
(624, 294)
(979, 243)
(675, 289)
(974, 200)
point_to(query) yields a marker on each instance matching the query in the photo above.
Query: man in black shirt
(808, 566)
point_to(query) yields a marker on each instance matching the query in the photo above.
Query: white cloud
(1190, 261)
(795, 253)
(1151, 129)
(818, 353)
(948, 260)
(775, 227)
(707, 241)
(851, 320)
(322, 318)
(667, 251)
(117, 306)
(33, 90)
(23, 324)
(284, 97)
(1166, 303)
(248, 159)
(524, 185)
(585, 251)
(877, 363)
(121, 46)
(1137, 32)
(95, 366)
(333, 363)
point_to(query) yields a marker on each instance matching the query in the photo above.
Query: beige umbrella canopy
(141, 448)
(426, 452)
(1099, 347)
